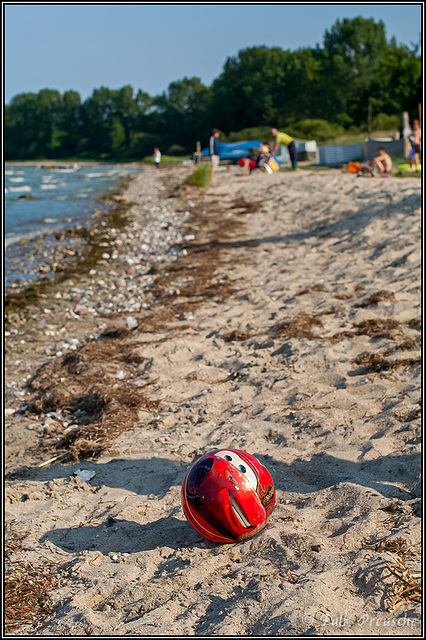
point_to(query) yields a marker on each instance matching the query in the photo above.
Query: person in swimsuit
(382, 162)
(417, 136)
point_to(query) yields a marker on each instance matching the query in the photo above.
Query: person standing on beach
(214, 150)
(287, 141)
(417, 136)
(157, 157)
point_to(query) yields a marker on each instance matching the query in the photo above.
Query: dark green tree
(180, 112)
(352, 63)
(356, 77)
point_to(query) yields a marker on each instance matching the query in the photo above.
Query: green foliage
(354, 82)
(201, 176)
(316, 129)
(165, 159)
(383, 122)
(143, 144)
(176, 150)
(117, 135)
(252, 133)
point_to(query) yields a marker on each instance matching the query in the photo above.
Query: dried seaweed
(238, 336)
(248, 207)
(85, 383)
(378, 328)
(406, 345)
(381, 328)
(407, 587)
(300, 327)
(374, 362)
(194, 275)
(396, 545)
(27, 586)
(410, 416)
(343, 296)
(107, 413)
(415, 323)
(314, 287)
(379, 296)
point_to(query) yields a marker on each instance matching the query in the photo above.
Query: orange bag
(354, 167)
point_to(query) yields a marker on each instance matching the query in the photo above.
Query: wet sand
(278, 314)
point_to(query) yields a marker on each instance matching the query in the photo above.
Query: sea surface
(41, 201)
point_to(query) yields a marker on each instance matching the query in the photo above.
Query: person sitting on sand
(262, 159)
(380, 165)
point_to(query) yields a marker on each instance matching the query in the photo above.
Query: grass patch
(313, 167)
(407, 174)
(201, 176)
(166, 159)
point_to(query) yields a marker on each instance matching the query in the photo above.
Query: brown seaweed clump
(379, 328)
(84, 383)
(27, 586)
(238, 336)
(314, 287)
(300, 327)
(379, 296)
(247, 207)
(375, 363)
(396, 545)
(407, 587)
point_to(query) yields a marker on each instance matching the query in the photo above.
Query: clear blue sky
(86, 46)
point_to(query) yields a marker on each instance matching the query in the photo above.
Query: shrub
(252, 133)
(201, 176)
(383, 122)
(316, 129)
(143, 144)
(176, 150)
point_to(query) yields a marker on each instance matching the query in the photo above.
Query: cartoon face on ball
(227, 495)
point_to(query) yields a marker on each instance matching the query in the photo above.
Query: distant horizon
(150, 46)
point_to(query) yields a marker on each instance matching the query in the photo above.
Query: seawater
(59, 198)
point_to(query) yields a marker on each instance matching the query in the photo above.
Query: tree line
(355, 76)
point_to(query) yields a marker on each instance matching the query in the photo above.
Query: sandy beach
(278, 314)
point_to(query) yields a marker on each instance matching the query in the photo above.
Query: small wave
(17, 237)
(48, 220)
(48, 186)
(24, 187)
(16, 179)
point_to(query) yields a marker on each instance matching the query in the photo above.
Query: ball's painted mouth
(241, 516)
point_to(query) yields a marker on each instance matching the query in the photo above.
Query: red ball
(227, 495)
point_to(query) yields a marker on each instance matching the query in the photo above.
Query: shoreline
(73, 251)
(279, 315)
(79, 227)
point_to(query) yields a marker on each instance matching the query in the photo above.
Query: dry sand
(290, 328)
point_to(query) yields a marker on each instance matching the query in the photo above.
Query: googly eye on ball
(228, 495)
